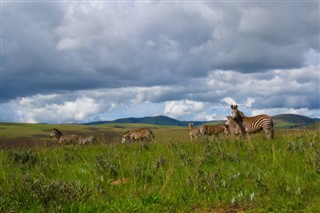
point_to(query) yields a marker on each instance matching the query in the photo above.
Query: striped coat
(215, 130)
(253, 124)
(87, 140)
(233, 127)
(64, 139)
(137, 134)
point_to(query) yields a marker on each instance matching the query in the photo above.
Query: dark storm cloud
(60, 47)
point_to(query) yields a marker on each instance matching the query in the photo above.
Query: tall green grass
(169, 174)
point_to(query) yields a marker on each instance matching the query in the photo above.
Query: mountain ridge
(287, 120)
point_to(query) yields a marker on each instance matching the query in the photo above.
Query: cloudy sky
(81, 61)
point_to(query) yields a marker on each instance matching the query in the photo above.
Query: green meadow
(168, 174)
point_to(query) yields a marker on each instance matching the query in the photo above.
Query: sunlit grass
(168, 174)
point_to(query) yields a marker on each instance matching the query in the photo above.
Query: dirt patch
(95, 129)
(40, 136)
(108, 136)
(43, 140)
(22, 142)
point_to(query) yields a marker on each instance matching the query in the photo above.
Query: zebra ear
(231, 106)
(235, 107)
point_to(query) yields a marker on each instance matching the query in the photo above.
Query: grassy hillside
(157, 120)
(169, 174)
(280, 121)
(291, 120)
(29, 135)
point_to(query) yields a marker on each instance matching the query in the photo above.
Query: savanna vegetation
(168, 174)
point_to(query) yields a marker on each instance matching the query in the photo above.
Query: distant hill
(293, 120)
(158, 120)
(280, 121)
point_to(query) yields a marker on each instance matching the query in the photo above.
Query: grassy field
(169, 174)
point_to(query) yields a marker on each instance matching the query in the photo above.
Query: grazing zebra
(253, 124)
(194, 132)
(87, 140)
(137, 134)
(233, 127)
(64, 139)
(209, 130)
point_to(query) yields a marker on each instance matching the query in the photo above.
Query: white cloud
(68, 44)
(313, 113)
(150, 43)
(205, 116)
(28, 110)
(84, 105)
(249, 101)
(229, 101)
(181, 108)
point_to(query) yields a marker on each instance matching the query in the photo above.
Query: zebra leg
(248, 136)
(195, 137)
(269, 133)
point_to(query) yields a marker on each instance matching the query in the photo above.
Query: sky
(83, 61)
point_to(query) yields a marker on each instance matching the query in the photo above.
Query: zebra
(215, 130)
(137, 134)
(233, 127)
(193, 132)
(87, 140)
(64, 139)
(253, 124)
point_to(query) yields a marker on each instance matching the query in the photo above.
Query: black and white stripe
(253, 124)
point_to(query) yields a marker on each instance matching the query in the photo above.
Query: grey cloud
(65, 47)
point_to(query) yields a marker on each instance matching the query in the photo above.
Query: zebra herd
(237, 124)
(72, 139)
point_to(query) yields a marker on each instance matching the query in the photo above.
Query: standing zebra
(253, 124)
(233, 127)
(193, 132)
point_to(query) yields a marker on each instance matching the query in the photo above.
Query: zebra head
(227, 123)
(125, 137)
(55, 133)
(236, 114)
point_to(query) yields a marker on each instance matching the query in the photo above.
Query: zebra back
(257, 123)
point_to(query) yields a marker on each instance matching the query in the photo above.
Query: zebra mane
(60, 133)
(125, 133)
(241, 114)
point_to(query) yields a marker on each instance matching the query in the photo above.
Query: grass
(169, 174)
